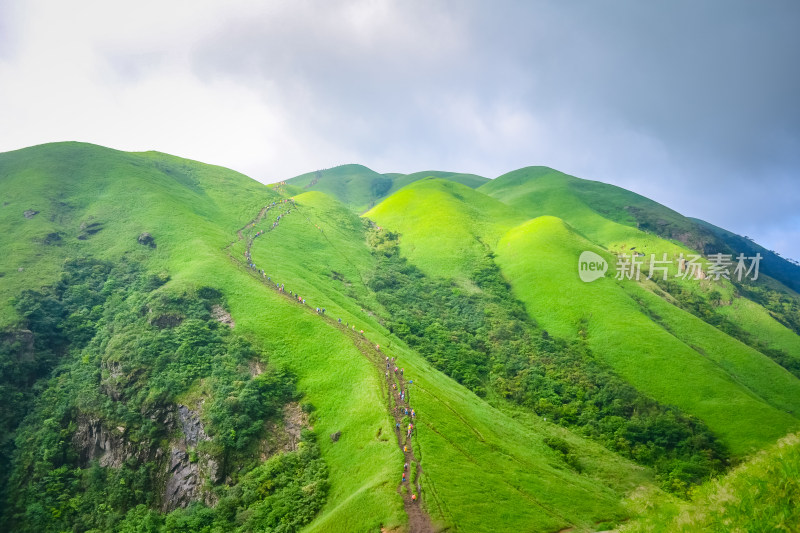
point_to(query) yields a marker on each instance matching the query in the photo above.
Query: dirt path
(418, 520)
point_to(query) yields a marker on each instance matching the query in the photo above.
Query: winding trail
(418, 520)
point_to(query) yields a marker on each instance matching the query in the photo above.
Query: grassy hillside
(477, 462)
(676, 358)
(360, 188)
(138, 325)
(193, 211)
(446, 226)
(759, 495)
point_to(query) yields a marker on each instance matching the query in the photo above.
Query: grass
(739, 393)
(485, 465)
(445, 225)
(759, 495)
(193, 211)
(360, 188)
(469, 451)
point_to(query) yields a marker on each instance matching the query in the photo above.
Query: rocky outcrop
(109, 447)
(30, 213)
(221, 315)
(187, 468)
(146, 239)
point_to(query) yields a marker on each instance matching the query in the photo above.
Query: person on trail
(401, 371)
(378, 347)
(413, 497)
(413, 414)
(405, 466)
(340, 321)
(395, 370)
(410, 429)
(405, 448)
(404, 477)
(392, 359)
(397, 426)
(362, 331)
(387, 358)
(323, 310)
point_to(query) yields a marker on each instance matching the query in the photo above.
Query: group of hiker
(391, 366)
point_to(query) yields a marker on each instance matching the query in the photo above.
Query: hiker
(395, 370)
(405, 466)
(413, 414)
(340, 321)
(410, 429)
(378, 347)
(413, 497)
(401, 371)
(397, 426)
(404, 477)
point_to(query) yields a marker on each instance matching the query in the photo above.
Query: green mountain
(186, 349)
(360, 188)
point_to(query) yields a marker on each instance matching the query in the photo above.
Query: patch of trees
(485, 340)
(109, 346)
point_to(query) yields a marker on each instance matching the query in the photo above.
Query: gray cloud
(691, 103)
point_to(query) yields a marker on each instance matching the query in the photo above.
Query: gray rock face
(108, 446)
(30, 213)
(182, 483)
(184, 475)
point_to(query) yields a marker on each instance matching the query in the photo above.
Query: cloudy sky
(695, 104)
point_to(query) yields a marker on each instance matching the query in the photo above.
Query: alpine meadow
(186, 349)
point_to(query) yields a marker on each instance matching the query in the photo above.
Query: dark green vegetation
(152, 382)
(108, 326)
(486, 341)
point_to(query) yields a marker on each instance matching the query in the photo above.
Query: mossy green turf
(479, 464)
(445, 226)
(193, 211)
(676, 358)
(483, 467)
(759, 495)
(359, 187)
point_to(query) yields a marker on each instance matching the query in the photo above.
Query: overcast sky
(695, 104)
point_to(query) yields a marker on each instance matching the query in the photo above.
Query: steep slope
(772, 264)
(99, 201)
(662, 350)
(595, 209)
(539, 260)
(446, 226)
(477, 462)
(96, 201)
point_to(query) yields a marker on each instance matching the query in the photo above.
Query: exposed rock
(109, 447)
(185, 472)
(30, 213)
(182, 483)
(147, 240)
(193, 431)
(284, 436)
(335, 436)
(221, 315)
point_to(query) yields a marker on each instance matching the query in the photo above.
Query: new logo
(591, 266)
